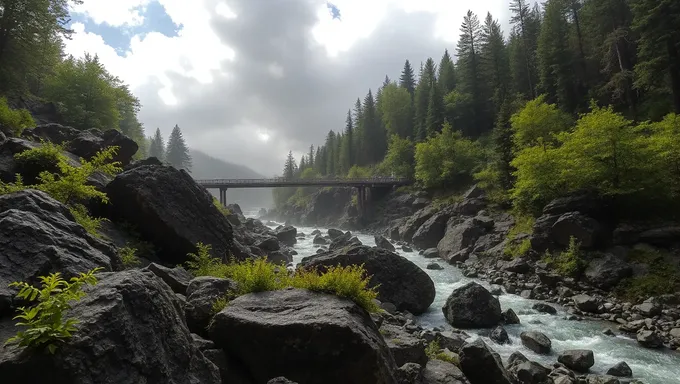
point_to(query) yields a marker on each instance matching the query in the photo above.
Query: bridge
(360, 183)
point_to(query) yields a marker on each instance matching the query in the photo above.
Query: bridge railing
(366, 180)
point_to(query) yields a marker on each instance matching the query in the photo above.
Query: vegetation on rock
(128, 256)
(45, 322)
(14, 119)
(569, 262)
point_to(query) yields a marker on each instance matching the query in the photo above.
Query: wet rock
(280, 380)
(287, 235)
(607, 271)
(459, 257)
(481, 365)
(382, 242)
(285, 327)
(122, 310)
(662, 236)
(536, 341)
(472, 306)
(649, 308)
(580, 360)
(460, 235)
(409, 373)
(334, 233)
(585, 229)
(432, 230)
(499, 335)
(411, 225)
(586, 303)
(319, 240)
(431, 253)
(518, 265)
(621, 369)
(544, 308)
(177, 278)
(434, 266)
(509, 317)
(601, 379)
(202, 293)
(405, 347)
(649, 339)
(184, 216)
(269, 244)
(406, 248)
(527, 372)
(399, 281)
(442, 372)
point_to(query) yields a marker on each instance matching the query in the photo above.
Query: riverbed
(649, 366)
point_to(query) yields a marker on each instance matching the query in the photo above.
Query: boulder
(509, 317)
(287, 235)
(341, 241)
(268, 244)
(171, 211)
(517, 265)
(585, 203)
(473, 192)
(579, 360)
(441, 372)
(662, 237)
(434, 266)
(431, 253)
(319, 240)
(130, 330)
(621, 369)
(431, 231)
(177, 278)
(336, 339)
(38, 236)
(460, 235)
(536, 341)
(585, 229)
(544, 308)
(280, 380)
(399, 281)
(89, 142)
(499, 335)
(649, 308)
(472, 306)
(382, 242)
(649, 339)
(481, 365)
(405, 347)
(333, 233)
(586, 303)
(470, 207)
(409, 373)
(202, 293)
(409, 228)
(607, 271)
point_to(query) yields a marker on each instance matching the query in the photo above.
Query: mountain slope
(205, 166)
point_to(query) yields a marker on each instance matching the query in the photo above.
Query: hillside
(208, 167)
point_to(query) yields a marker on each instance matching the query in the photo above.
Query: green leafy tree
(537, 180)
(399, 159)
(157, 146)
(15, 120)
(177, 153)
(397, 110)
(46, 324)
(538, 123)
(665, 145)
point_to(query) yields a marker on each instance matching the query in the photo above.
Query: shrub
(45, 323)
(15, 119)
(223, 210)
(569, 262)
(434, 351)
(661, 278)
(82, 217)
(46, 157)
(349, 282)
(524, 224)
(202, 263)
(128, 256)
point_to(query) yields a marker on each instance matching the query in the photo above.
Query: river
(649, 366)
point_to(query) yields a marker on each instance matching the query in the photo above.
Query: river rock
(431, 253)
(406, 248)
(382, 242)
(518, 265)
(334, 233)
(287, 235)
(585, 229)
(398, 280)
(441, 372)
(544, 308)
(319, 240)
(202, 293)
(481, 365)
(336, 339)
(527, 372)
(580, 360)
(269, 244)
(405, 347)
(130, 330)
(177, 278)
(536, 341)
(280, 380)
(171, 211)
(649, 308)
(434, 266)
(431, 231)
(411, 225)
(38, 236)
(607, 271)
(585, 303)
(472, 306)
(460, 235)
(499, 335)
(621, 369)
(509, 317)
(649, 339)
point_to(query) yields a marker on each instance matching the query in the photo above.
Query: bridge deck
(270, 183)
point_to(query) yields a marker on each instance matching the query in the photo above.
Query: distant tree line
(176, 153)
(611, 66)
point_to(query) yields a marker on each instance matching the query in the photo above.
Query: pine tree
(494, 63)
(407, 79)
(347, 148)
(387, 81)
(157, 146)
(525, 25)
(555, 60)
(373, 133)
(422, 99)
(447, 75)
(470, 82)
(177, 153)
(435, 111)
(329, 148)
(310, 156)
(289, 167)
(319, 164)
(358, 133)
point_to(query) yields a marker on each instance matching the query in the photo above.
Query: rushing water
(649, 366)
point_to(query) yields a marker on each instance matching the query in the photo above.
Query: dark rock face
(460, 235)
(202, 294)
(509, 317)
(621, 369)
(336, 339)
(405, 347)
(280, 380)
(287, 235)
(177, 278)
(401, 282)
(649, 339)
(580, 360)
(38, 236)
(536, 341)
(123, 309)
(9, 167)
(518, 265)
(409, 228)
(527, 372)
(544, 308)
(607, 271)
(432, 230)
(585, 303)
(499, 335)
(472, 306)
(409, 373)
(170, 210)
(382, 242)
(334, 233)
(586, 230)
(442, 372)
(481, 365)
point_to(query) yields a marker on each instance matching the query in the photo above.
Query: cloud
(248, 80)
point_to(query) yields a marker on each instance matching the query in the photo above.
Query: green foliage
(569, 262)
(128, 256)
(400, 157)
(223, 210)
(434, 351)
(14, 119)
(446, 158)
(82, 217)
(662, 276)
(538, 123)
(357, 172)
(177, 152)
(396, 110)
(16, 186)
(524, 225)
(259, 275)
(46, 325)
(664, 144)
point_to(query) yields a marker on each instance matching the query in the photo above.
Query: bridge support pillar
(223, 196)
(361, 200)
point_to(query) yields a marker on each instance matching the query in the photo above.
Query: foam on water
(650, 366)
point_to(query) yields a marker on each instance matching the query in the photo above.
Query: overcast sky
(249, 80)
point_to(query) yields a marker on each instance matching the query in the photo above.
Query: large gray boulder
(411, 225)
(130, 330)
(481, 365)
(580, 360)
(38, 236)
(586, 230)
(382, 242)
(336, 339)
(405, 347)
(460, 235)
(432, 230)
(442, 372)
(398, 280)
(472, 306)
(607, 271)
(171, 211)
(201, 295)
(287, 235)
